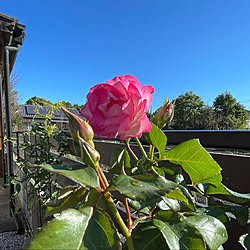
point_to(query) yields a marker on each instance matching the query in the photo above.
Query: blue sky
(175, 45)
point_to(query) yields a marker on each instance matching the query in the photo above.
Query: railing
(235, 167)
(231, 150)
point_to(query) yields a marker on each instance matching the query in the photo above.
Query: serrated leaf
(64, 232)
(144, 187)
(79, 172)
(70, 202)
(157, 138)
(148, 237)
(232, 195)
(178, 234)
(212, 230)
(101, 233)
(196, 161)
(120, 158)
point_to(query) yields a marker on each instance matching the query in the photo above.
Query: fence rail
(232, 139)
(235, 168)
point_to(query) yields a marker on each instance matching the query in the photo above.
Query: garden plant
(158, 193)
(39, 150)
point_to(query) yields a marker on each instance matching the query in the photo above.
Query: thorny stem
(114, 210)
(102, 183)
(130, 150)
(130, 222)
(102, 176)
(141, 147)
(125, 230)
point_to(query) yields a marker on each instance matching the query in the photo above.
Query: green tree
(206, 118)
(43, 102)
(228, 113)
(188, 109)
(39, 101)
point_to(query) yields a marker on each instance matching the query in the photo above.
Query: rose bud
(77, 125)
(163, 115)
(88, 154)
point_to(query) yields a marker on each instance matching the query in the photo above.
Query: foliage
(229, 113)
(206, 118)
(38, 151)
(39, 101)
(188, 108)
(191, 113)
(43, 102)
(167, 215)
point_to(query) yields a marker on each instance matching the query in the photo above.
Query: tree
(228, 113)
(16, 118)
(188, 108)
(43, 102)
(206, 118)
(39, 101)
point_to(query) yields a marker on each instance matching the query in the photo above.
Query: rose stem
(141, 148)
(130, 222)
(115, 212)
(151, 152)
(119, 220)
(102, 176)
(130, 150)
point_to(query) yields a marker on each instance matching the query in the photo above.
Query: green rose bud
(79, 126)
(163, 115)
(88, 154)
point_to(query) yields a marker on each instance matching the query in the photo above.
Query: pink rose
(119, 107)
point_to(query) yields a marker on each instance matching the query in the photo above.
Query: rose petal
(142, 127)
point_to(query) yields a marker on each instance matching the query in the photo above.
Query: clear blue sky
(174, 45)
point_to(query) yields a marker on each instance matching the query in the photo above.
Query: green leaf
(64, 232)
(176, 194)
(94, 198)
(101, 233)
(148, 237)
(157, 138)
(216, 212)
(70, 202)
(232, 195)
(120, 158)
(143, 206)
(170, 204)
(170, 169)
(18, 188)
(240, 212)
(212, 230)
(245, 239)
(196, 161)
(144, 187)
(79, 172)
(178, 234)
